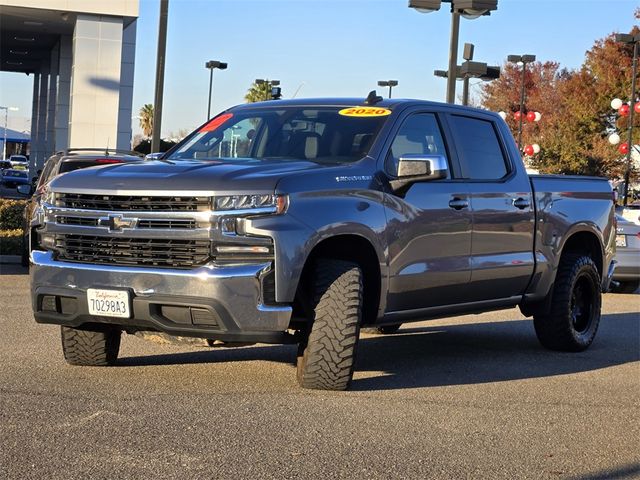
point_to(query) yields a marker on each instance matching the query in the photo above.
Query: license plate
(108, 303)
(621, 240)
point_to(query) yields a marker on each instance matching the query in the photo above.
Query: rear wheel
(572, 321)
(327, 355)
(95, 348)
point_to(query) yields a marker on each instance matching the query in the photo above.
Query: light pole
(211, 64)
(467, 8)
(6, 121)
(633, 40)
(524, 59)
(388, 83)
(469, 70)
(160, 61)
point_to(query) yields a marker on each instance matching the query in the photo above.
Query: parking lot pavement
(466, 397)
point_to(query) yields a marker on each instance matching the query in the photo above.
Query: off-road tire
(572, 321)
(627, 287)
(327, 355)
(90, 348)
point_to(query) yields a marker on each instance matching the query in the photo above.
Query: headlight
(248, 202)
(48, 196)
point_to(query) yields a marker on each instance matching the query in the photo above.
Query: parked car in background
(11, 178)
(19, 161)
(631, 212)
(627, 273)
(63, 162)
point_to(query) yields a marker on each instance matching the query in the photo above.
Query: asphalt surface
(466, 397)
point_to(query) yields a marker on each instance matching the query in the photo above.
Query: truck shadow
(487, 352)
(479, 352)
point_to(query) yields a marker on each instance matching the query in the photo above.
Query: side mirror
(24, 189)
(414, 168)
(153, 156)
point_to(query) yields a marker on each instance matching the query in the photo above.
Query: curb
(10, 259)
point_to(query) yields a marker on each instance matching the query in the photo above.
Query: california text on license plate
(621, 240)
(108, 303)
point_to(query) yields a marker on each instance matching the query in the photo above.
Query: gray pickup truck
(302, 221)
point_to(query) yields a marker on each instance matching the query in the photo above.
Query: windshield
(319, 134)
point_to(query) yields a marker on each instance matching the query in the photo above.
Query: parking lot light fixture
(521, 60)
(211, 65)
(629, 39)
(388, 83)
(469, 9)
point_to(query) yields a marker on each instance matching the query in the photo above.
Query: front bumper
(214, 302)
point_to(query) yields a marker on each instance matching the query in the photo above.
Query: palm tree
(259, 92)
(146, 119)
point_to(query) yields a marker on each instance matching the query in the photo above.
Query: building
(81, 55)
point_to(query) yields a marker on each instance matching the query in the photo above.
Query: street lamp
(388, 83)
(469, 70)
(276, 91)
(6, 120)
(467, 8)
(630, 40)
(211, 65)
(524, 59)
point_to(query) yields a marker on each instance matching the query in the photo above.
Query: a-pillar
(95, 89)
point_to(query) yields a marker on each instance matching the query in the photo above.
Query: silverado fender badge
(354, 178)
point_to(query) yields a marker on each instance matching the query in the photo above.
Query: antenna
(372, 98)
(106, 152)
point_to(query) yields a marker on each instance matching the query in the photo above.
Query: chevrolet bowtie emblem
(115, 223)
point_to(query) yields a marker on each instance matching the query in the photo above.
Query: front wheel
(572, 320)
(327, 355)
(90, 348)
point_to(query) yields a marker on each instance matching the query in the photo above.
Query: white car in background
(19, 161)
(627, 272)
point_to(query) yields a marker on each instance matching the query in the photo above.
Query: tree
(259, 92)
(577, 115)
(146, 119)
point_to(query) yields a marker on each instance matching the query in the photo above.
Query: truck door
(428, 226)
(502, 258)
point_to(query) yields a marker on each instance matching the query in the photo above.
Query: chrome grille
(170, 224)
(127, 202)
(82, 221)
(143, 252)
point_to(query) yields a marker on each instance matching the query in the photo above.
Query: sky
(338, 48)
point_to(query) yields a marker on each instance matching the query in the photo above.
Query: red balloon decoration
(623, 148)
(529, 150)
(517, 116)
(624, 110)
(531, 116)
(636, 107)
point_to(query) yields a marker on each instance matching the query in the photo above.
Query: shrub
(11, 214)
(11, 241)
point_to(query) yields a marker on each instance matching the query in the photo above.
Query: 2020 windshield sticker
(216, 122)
(365, 112)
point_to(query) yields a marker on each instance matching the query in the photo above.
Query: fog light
(49, 303)
(241, 249)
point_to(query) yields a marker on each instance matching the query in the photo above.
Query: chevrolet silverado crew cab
(301, 221)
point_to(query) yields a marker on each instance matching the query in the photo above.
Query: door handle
(458, 203)
(521, 203)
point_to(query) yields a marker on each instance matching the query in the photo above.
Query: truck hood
(196, 177)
